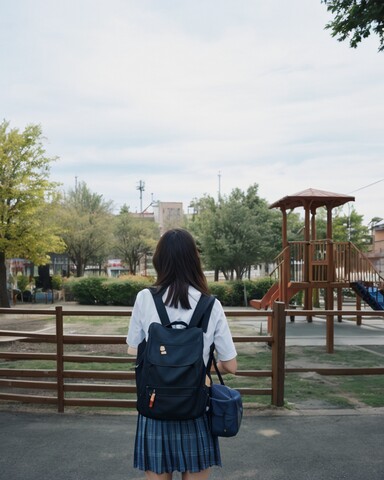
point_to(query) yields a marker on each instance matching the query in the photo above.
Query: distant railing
(352, 265)
(349, 264)
(55, 385)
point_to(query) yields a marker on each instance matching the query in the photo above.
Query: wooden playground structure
(314, 264)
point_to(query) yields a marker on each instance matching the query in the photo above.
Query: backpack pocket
(174, 403)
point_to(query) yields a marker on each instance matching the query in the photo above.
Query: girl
(187, 446)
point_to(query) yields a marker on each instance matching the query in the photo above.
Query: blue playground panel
(371, 295)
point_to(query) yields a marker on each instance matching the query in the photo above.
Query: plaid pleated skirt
(165, 446)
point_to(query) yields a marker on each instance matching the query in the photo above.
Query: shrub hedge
(123, 291)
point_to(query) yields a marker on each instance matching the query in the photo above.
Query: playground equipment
(371, 295)
(314, 264)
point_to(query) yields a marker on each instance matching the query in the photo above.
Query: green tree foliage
(345, 227)
(86, 220)
(295, 227)
(135, 238)
(237, 232)
(354, 20)
(349, 228)
(27, 200)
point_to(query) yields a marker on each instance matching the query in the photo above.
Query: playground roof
(312, 198)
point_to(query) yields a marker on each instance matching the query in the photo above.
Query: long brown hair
(177, 263)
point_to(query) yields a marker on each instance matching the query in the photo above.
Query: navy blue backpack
(170, 370)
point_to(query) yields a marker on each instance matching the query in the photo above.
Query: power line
(366, 186)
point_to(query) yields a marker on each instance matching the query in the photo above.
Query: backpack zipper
(152, 398)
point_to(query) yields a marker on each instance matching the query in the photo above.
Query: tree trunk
(4, 297)
(216, 279)
(79, 269)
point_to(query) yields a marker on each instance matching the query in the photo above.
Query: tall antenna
(219, 197)
(141, 187)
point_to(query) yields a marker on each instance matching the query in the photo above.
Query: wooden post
(330, 279)
(59, 359)
(358, 309)
(285, 272)
(330, 334)
(278, 354)
(339, 303)
(307, 258)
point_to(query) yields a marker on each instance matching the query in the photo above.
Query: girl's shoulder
(144, 297)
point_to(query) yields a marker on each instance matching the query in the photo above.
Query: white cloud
(174, 92)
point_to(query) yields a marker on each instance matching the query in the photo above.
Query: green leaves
(86, 223)
(27, 200)
(26, 195)
(135, 237)
(237, 232)
(355, 19)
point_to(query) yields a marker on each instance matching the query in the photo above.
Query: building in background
(168, 215)
(376, 253)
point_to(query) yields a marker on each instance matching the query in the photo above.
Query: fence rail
(58, 381)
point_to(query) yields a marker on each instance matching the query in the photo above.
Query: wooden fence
(55, 385)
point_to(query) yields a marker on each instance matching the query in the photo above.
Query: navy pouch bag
(226, 408)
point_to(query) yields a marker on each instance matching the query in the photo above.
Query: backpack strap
(160, 307)
(201, 314)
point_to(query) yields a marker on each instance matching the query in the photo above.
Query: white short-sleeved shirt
(144, 313)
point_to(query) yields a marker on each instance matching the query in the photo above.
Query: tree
(345, 227)
(27, 200)
(135, 238)
(86, 220)
(354, 20)
(350, 228)
(236, 232)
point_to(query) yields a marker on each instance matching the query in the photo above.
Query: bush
(124, 292)
(105, 291)
(260, 287)
(238, 293)
(57, 282)
(88, 290)
(222, 291)
(22, 282)
(67, 287)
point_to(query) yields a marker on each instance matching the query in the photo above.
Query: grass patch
(116, 321)
(346, 356)
(367, 388)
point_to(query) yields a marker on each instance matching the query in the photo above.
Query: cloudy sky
(190, 95)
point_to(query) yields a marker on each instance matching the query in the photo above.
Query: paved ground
(343, 445)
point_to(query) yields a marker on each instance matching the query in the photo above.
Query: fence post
(278, 354)
(59, 359)
(358, 309)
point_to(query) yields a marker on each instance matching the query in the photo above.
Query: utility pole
(141, 188)
(219, 197)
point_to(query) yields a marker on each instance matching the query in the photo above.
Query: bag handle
(217, 370)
